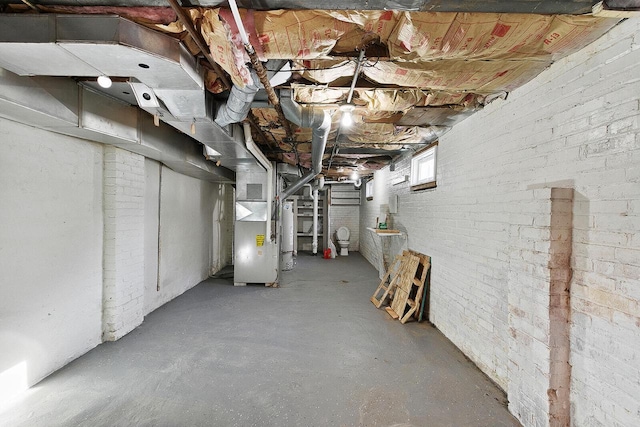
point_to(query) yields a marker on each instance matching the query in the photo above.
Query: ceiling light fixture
(104, 81)
(354, 175)
(347, 115)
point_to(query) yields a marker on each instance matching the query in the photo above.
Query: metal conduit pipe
(355, 76)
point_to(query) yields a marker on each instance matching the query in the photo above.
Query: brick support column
(539, 311)
(560, 306)
(123, 254)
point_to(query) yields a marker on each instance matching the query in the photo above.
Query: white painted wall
(68, 208)
(151, 230)
(188, 253)
(51, 229)
(576, 125)
(123, 255)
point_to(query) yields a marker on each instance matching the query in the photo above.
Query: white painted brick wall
(51, 230)
(123, 262)
(345, 216)
(196, 219)
(196, 232)
(72, 246)
(576, 125)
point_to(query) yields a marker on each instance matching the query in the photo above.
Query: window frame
(431, 181)
(368, 190)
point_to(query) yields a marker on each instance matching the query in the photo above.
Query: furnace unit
(256, 248)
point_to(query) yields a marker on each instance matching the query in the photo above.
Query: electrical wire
(333, 67)
(372, 65)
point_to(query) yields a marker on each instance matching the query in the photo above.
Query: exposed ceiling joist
(485, 6)
(421, 72)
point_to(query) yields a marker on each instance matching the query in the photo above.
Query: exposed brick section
(488, 225)
(123, 257)
(539, 313)
(560, 306)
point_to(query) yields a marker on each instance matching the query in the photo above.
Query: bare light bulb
(347, 115)
(354, 176)
(347, 119)
(104, 81)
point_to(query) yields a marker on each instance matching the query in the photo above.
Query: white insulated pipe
(266, 164)
(314, 242)
(236, 16)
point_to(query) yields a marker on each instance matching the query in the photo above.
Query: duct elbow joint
(238, 105)
(315, 119)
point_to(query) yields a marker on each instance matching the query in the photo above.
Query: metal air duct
(60, 105)
(320, 123)
(165, 78)
(238, 104)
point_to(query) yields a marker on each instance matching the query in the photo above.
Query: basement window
(423, 168)
(368, 189)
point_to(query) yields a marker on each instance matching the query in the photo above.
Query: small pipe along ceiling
(426, 65)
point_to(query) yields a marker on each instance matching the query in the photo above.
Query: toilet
(343, 240)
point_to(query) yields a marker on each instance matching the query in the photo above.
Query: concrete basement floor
(314, 352)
